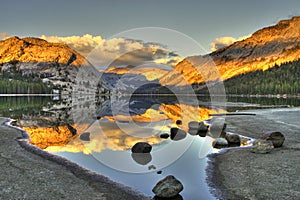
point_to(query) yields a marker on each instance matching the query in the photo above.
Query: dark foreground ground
(24, 175)
(240, 174)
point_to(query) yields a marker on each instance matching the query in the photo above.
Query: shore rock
(177, 134)
(277, 138)
(167, 187)
(218, 126)
(85, 136)
(178, 122)
(141, 147)
(262, 146)
(233, 138)
(220, 143)
(193, 125)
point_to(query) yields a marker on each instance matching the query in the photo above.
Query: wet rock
(141, 147)
(178, 122)
(277, 138)
(233, 138)
(150, 167)
(262, 146)
(218, 126)
(193, 125)
(159, 172)
(203, 127)
(177, 134)
(220, 143)
(85, 136)
(167, 187)
(193, 131)
(141, 158)
(164, 136)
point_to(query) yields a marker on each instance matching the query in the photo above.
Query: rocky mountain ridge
(266, 47)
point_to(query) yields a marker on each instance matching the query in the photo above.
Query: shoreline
(237, 173)
(88, 184)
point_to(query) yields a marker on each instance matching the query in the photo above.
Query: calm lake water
(98, 133)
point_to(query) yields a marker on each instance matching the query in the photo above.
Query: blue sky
(204, 21)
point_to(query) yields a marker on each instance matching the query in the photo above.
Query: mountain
(29, 59)
(266, 48)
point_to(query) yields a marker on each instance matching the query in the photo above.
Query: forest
(280, 79)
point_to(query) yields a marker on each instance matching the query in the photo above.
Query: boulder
(167, 187)
(164, 136)
(85, 136)
(233, 138)
(262, 146)
(141, 158)
(220, 143)
(177, 134)
(277, 138)
(141, 147)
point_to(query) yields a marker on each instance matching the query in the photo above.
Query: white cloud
(3, 36)
(117, 51)
(225, 41)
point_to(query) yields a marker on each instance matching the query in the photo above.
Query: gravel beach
(25, 175)
(239, 174)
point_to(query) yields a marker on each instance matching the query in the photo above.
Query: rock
(193, 131)
(141, 158)
(220, 143)
(177, 134)
(164, 136)
(277, 138)
(202, 134)
(193, 125)
(218, 125)
(98, 117)
(262, 146)
(159, 172)
(233, 138)
(203, 127)
(150, 167)
(141, 147)
(167, 187)
(85, 136)
(178, 122)
(71, 129)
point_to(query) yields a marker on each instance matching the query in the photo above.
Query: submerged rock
(178, 122)
(141, 158)
(277, 138)
(141, 147)
(85, 136)
(262, 146)
(167, 187)
(220, 143)
(164, 136)
(177, 134)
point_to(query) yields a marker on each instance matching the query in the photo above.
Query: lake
(99, 132)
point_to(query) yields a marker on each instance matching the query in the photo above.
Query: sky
(204, 21)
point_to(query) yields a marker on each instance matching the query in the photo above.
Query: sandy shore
(25, 175)
(240, 174)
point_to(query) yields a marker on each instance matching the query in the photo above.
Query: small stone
(177, 134)
(277, 138)
(193, 131)
(262, 146)
(141, 147)
(178, 122)
(220, 143)
(167, 187)
(164, 136)
(98, 117)
(150, 167)
(85, 136)
(159, 172)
